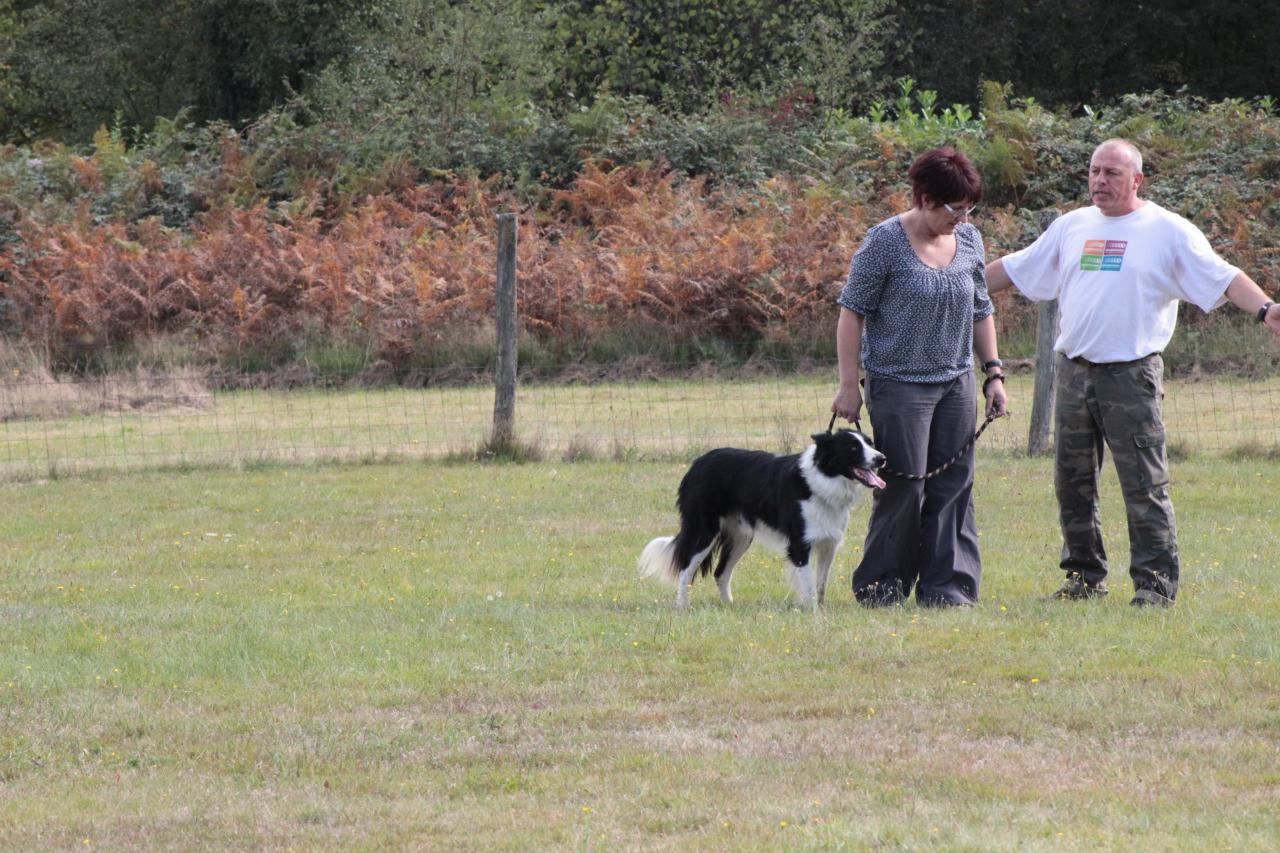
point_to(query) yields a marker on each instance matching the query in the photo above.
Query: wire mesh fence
(54, 427)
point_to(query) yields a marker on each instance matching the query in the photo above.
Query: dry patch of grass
(34, 393)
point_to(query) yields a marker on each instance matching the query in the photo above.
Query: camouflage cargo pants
(1117, 406)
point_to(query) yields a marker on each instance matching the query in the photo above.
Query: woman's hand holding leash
(997, 400)
(848, 402)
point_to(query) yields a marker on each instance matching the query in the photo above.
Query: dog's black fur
(798, 504)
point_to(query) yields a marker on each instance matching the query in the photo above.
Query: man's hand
(1273, 319)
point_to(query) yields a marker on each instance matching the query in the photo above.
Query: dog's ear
(821, 438)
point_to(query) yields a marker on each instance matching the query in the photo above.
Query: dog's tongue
(869, 477)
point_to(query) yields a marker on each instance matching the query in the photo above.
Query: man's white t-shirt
(1118, 279)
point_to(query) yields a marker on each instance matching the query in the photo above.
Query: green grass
(450, 656)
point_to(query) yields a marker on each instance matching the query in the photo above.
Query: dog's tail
(658, 560)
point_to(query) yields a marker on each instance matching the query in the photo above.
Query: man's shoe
(1076, 588)
(1150, 598)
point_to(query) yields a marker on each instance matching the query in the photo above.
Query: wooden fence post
(504, 403)
(1046, 365)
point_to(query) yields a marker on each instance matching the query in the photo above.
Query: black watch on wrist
(1262, 312)
(988, 365)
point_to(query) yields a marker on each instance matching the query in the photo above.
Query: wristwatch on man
(988, 366)
(1262, 312)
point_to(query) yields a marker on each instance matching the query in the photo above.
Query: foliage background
(317, 180)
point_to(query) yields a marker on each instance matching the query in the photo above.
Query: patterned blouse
(919, 320)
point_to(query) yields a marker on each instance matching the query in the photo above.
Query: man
(1118, 270)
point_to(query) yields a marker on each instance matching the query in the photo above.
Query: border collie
(797, 505)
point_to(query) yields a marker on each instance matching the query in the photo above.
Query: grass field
(450, 656)
(114, 423)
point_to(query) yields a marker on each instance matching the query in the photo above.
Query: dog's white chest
(823, 520)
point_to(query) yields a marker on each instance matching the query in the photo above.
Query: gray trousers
(921, 534)
(1117, 406)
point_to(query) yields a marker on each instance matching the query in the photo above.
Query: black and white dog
(798, 505)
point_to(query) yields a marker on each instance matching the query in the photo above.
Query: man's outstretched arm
(1245, 294)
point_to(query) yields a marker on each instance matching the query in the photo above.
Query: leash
(936, 471)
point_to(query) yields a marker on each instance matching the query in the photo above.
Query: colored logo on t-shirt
(1103, 255)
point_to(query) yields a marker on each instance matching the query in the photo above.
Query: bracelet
(988, 365)
(991, 379)
(1262, 312)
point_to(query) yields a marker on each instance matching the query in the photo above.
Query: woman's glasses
(959, 213)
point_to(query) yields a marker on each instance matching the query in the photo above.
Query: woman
(913, 312)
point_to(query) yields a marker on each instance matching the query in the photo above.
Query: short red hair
(944, 174)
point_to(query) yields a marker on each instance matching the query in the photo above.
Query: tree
(74, 65)
(1083, 51)
(689, 51)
